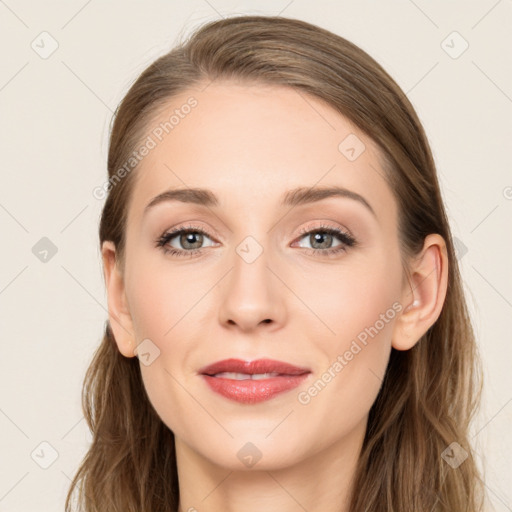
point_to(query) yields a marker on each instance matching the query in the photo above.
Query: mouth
(252, 381)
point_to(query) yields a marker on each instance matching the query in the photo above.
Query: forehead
(252, 143)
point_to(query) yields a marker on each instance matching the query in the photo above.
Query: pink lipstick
(252, 381)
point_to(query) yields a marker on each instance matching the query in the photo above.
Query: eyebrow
(296, 197)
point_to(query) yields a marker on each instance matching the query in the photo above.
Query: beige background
(55, 115)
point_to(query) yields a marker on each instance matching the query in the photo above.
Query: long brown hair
(430, 393)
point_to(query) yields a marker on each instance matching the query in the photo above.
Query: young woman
(287, 326)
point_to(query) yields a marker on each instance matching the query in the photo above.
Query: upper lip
(253, 367)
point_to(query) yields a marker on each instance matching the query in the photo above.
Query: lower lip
(250, 391)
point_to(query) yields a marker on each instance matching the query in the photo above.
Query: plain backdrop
(65, 67)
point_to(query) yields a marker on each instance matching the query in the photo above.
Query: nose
(252, 296)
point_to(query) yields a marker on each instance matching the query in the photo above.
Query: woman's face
(244, 282)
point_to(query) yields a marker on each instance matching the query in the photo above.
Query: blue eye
(189, 236)
(324, 235)
(191, 239)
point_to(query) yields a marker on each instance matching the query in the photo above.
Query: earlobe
(119, 315)
(425, 294)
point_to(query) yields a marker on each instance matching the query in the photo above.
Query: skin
(250, 144)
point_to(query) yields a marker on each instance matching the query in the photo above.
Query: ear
(423, 296)
(119, 315)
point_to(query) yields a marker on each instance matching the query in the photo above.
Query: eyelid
(346, 239)
(190, 226)
(326, 225)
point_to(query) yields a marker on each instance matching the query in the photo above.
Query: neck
(322, 482)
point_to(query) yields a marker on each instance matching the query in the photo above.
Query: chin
(252, 451)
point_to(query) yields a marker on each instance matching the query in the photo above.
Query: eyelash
(347, 240)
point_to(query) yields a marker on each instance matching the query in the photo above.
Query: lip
(250, 391)
(253, 367)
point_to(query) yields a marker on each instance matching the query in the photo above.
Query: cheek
(355, 296)
(360, 309)
(160, 309)
(160, 300)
